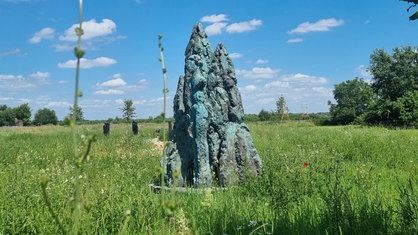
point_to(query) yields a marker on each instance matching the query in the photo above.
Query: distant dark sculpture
(210, 144)
(135, 127)
(106, 128)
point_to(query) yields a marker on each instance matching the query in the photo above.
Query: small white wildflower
(128, 212)
(252, 223)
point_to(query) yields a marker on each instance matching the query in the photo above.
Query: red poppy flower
(305, 164)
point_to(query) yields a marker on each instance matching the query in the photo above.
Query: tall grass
(316, 180)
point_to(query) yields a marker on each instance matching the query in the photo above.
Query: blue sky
(298, 49)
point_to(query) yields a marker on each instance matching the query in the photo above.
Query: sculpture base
(159, 188)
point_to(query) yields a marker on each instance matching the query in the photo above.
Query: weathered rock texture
(209, 142)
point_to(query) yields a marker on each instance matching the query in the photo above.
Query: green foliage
(395, 82)
(23, 113)
(264, 115)
(45, 116)
(128, 110)
(391, 99)
(76, 113)
(409, 207)
(251, 118)
(8, 116)
(353, 97)
(394, 75)
(281, 108)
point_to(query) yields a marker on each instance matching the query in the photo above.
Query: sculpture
(209, 141)
(135, 128)
(106, 128)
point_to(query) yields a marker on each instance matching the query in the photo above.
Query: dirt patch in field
(158, 145)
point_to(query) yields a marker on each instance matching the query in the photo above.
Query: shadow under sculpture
(210, 144)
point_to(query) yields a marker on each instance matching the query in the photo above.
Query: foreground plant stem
(165, 91)
(79, 53)
(44, 182)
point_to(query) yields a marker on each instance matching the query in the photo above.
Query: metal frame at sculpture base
(159, 188)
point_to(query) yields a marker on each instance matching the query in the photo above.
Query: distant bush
(45, 116)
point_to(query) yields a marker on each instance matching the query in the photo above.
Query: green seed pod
(79, 53)
(79, 31)
(44, 179)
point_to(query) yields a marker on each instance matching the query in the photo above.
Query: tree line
(390, 98)
(22, 114)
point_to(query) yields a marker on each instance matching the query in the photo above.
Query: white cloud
(12, 52)
(109, 92)
(143, 83)
(10, 82)
(88, 63)
(277, 84)
(364, 72)
(323, 90)
(116, 81)
(8, 77)
(59, 104)
(258, 73)
(218, 24)
(260, 61)
(295, 40)
(303, 78)
(301, 91)
(235, 55)
(248, 88)
(116, 86)
(265, 100)
(63, 47)
(244, 26)
(45, 33)
(92, 29)
(40, 75)
(214, 18)
(215, 28)
(318, 26)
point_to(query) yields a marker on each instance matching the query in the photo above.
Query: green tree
(395, 82)
(128, 110)
(78, 112)
(264, 115)
(353, 97)
(45, 116)
(282, 109)
(23, 113)
(7, 116)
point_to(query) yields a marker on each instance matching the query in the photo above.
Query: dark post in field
(135, 127)
(106, 128)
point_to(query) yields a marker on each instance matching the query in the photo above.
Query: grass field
(316, 180)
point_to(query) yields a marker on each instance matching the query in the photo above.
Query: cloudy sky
(298, 49)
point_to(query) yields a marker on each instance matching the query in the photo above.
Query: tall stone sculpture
(210, 144)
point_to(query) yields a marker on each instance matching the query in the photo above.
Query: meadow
(315, 180)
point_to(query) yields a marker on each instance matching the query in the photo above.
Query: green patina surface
(210, 144)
